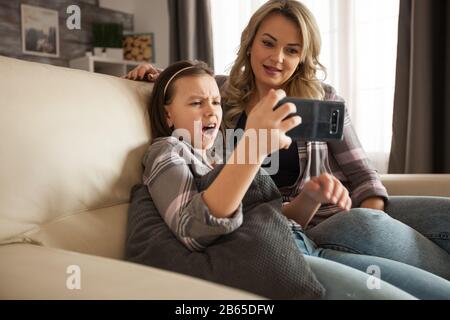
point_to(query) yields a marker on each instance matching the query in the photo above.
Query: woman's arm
(144, 72)
(364, 182)
(148, 72)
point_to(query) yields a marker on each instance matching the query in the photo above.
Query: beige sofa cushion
(98, 232)
(32, 272)
(72, 142)
(437, 185)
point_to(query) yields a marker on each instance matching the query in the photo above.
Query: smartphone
(321, 120)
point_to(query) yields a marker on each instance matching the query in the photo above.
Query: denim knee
(375, 233)
(349, 231)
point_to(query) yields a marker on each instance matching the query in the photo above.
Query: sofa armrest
(417, 184)
(34, 272)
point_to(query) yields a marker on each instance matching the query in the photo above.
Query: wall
(149, 16)
(118, 5)
(73, 43)
(154, 16)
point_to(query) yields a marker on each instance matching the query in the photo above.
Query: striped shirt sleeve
(364, 181)
(172, 187)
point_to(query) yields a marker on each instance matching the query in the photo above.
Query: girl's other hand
(327, 189)
(145, 72)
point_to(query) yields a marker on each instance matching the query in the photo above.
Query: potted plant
(108, 40)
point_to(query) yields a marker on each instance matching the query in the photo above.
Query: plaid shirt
(170, 169)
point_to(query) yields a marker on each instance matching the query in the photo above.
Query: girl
(186, 105)
(185, 115)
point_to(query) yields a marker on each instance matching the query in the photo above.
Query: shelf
(103, 65)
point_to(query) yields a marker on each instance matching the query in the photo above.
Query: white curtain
(359, 49)
(229, 18)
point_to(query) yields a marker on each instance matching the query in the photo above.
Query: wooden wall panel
(72, 43)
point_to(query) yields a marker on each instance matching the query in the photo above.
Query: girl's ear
(168, 117)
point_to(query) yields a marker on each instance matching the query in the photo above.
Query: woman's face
(196, 108)
(275, 52)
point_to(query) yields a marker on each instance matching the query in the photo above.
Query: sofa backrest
(71, 144)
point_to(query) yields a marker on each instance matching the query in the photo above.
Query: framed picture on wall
(40, 31)
(139, 47)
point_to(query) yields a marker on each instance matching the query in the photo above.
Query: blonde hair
(303, 83)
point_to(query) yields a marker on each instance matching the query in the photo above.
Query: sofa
(71, 148)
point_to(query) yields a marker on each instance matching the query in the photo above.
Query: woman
(279, 49)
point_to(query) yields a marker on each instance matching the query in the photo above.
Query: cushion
(260, 256)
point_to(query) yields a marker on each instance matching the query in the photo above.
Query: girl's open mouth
(209, 129)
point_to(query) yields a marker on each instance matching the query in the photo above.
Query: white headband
(171, 78)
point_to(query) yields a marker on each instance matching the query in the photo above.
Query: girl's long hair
(163, 93)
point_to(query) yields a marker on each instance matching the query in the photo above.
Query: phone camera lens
(334, 121)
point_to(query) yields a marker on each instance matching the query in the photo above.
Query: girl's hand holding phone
(263, 117)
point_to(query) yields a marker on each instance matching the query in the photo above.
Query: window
(359, 50)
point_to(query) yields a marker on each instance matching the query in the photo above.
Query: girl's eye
(196, 103)
(216, 103)
(267, 43)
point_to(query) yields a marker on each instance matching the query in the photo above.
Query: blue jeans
(417, 282)
(362, 238)
(371, 232)
(345, 283)
(430, 216)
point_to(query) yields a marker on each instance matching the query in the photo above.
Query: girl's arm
(302, 209)
(227, 191)
(376, 203)
(172, 187)
(319, 190)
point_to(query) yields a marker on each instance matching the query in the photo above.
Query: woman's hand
(271, 125)
(144, 71)
(326, 189)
